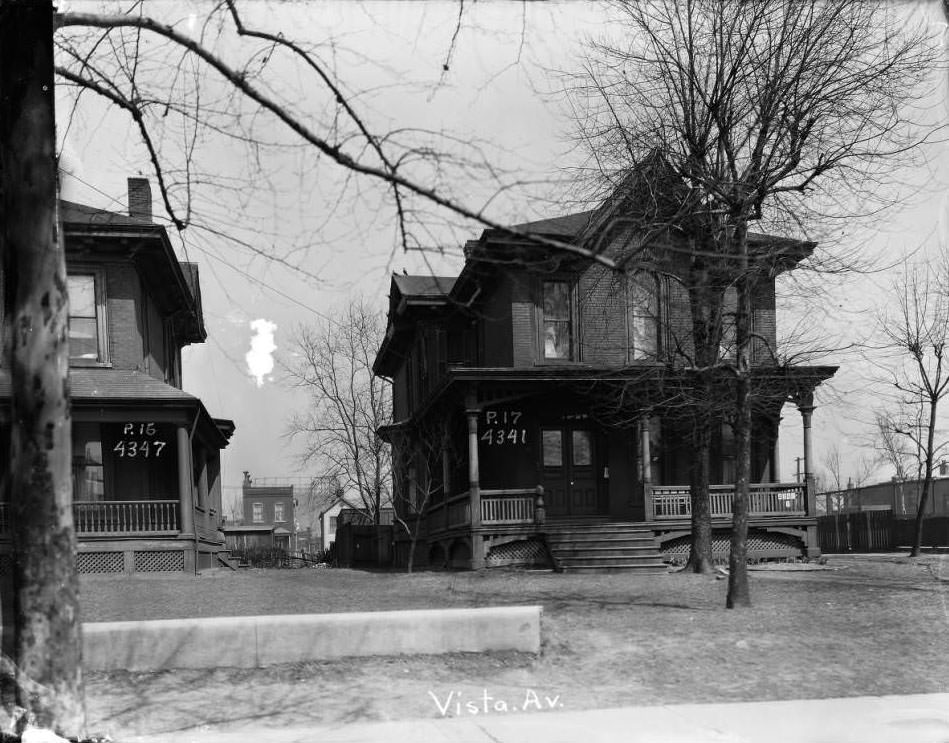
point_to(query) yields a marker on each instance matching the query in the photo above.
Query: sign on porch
(140, 440)
(503, 428)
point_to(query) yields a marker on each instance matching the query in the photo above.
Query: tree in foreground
(758, 110)
(332, 365)
(915, 364)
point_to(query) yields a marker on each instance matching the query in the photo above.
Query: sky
(292, 237)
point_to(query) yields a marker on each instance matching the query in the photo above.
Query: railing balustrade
(508, 506)
(126, 517)
(765, 499)
(105, 518)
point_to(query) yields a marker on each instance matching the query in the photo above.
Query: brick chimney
(140, 199)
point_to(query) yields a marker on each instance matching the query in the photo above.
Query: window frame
(282, 511)
(255, 509)
(572, 319)
(98, 275)
(639, 279)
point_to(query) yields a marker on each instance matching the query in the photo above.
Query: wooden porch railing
(155, 517)
(765, 499)
(498, 507)
(119, 518)
(508, 506)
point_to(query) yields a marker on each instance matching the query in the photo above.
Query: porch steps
(597, 545)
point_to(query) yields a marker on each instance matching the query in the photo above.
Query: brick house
(538, 404)
(146, 455)
(268, 516)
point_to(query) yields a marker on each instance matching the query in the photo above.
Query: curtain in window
(558, 320)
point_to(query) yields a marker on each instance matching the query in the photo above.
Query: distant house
(328, 523)
(146, 462)
(268, 515)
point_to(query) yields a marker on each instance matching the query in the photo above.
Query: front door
(569, 471)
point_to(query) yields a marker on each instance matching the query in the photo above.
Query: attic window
(87, 318)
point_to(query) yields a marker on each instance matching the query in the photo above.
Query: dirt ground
(859, 625)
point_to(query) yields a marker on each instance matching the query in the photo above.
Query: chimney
(140, 199)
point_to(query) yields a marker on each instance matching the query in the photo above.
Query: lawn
(861, 626)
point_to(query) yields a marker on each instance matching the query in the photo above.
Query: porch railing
(508, 506)
(119, 518)
(765, 499)
(498, 507)
(156, 517)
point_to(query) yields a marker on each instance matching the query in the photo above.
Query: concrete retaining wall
(253, 642)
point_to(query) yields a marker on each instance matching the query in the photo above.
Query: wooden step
(603, 546)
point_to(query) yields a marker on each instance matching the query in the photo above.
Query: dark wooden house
(146, 455)
(539, 411)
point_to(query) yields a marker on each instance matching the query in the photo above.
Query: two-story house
(269, 510)
(541, 404)
(146, 454)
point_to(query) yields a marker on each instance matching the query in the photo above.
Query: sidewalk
(919, 718)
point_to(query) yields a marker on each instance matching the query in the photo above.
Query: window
(87, 342)
(278, 512)
(558, 320)
(582, 449)
(553, 447)
(642, 315)
(333, 523)
(258, 516)
(729, 345)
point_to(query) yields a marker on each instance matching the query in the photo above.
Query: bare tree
(423, 462)
(916, 332)
(750, 107)
(332, 364)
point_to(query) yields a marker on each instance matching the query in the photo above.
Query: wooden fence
(862, 531)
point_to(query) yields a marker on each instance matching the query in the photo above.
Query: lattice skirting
(762, 545)
(527, 553)
(159, 561)
(100, 562)
(143, 561)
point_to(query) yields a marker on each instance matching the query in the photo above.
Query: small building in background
(270, 509)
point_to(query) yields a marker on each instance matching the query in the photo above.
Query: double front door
(569, 471)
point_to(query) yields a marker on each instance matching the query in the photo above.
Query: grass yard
(866, 625)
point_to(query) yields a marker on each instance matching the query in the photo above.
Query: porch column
(474, 481)
(645, 467)
(474, 477)
(185, 494)
(805, 404)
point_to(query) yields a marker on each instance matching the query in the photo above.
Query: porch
(511, 524)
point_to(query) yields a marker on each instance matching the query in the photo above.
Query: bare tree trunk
(47, 641)
(927, 481)
(738, 591)
(700, 554)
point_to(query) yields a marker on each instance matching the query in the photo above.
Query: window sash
(557, 320)
(87, 319)
(642, 314)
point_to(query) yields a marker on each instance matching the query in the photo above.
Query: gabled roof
(569, 225)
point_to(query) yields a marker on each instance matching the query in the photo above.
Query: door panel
(569, 471)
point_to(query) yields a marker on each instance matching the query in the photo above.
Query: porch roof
(642, 386)
(96, 386)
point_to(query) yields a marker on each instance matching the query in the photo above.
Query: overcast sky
(333, 238)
